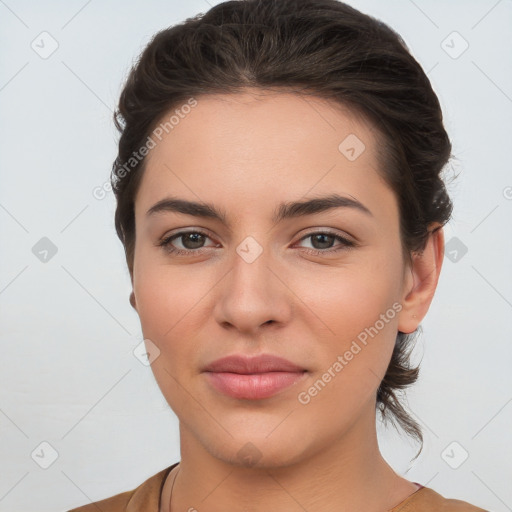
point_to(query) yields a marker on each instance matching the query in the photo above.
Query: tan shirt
(146, 498)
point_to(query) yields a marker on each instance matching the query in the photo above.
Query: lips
(258, 364)
(253, 378)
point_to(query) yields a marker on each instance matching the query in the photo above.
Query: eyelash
(346, 244)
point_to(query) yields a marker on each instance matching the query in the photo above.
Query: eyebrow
(284, 210)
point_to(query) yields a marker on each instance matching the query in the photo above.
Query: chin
(254, 448)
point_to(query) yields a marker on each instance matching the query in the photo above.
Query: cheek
(167, 304)
(358, 307)
(174, 308)
(351, 298)
(165, 294)
(354, 357)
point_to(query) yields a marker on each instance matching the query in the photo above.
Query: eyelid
(184, 231)
(346, 243)
(179, 232)
(328, 231)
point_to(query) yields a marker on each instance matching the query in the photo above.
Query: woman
(280, 204)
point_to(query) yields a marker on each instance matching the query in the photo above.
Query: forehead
(256, 121)
(262, 146)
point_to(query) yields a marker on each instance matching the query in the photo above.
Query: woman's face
(265, 278)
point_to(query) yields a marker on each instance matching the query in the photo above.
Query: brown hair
(323, 48)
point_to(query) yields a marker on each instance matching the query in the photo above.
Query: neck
(349, 474)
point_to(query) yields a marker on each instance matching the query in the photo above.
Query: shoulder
(144, 497)
(428, 500)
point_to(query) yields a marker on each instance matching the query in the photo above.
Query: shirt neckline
(409, 498)
(166, 474)
(394, 509)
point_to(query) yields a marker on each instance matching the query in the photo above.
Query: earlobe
(132, 301)
(421, 285)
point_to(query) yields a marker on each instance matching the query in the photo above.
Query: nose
(253, 294)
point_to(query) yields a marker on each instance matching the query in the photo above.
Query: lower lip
(253, 386)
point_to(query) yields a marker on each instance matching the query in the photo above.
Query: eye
(322, 242)
(191, 242)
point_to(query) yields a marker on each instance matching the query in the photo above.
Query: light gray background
(69, 377)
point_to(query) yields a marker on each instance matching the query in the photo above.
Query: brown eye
(322, 243)
(185, 242)
(322, 240)
(192, 240)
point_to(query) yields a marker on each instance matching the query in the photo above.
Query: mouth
(255, 386)
(253, 378)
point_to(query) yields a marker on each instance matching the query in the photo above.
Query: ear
(132, 301)
(421, 280)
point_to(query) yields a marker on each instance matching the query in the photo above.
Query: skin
(246, 153)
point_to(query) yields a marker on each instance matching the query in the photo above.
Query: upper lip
(262, 363)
